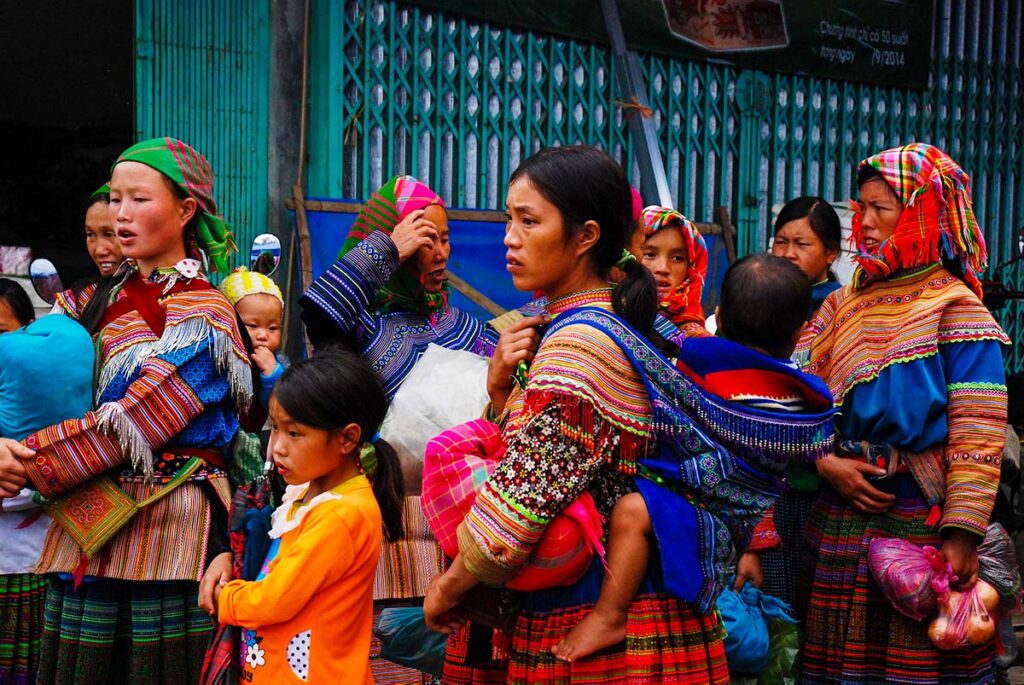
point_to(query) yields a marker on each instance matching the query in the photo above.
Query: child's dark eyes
(294, 434)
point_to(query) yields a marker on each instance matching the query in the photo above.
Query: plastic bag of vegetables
(965, 618)
(911, 577)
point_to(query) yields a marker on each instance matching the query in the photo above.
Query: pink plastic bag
(912, 578)
(965, 618)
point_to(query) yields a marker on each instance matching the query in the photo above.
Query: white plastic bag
(444, 389)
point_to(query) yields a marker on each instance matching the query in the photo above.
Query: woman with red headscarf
(911, 320)
(675, 253)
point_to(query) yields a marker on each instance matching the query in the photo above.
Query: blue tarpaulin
(478, 257)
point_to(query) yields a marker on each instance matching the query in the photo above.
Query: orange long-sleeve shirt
(310, 613)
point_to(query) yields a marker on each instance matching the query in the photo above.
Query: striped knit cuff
(478, 563)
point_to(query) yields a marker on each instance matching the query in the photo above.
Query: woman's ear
(587, 236)
(189, 206)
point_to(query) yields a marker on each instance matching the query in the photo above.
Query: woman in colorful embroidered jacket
(172, 375)
(581, 422)
(922, 468)
(676, 255)
(808, 234)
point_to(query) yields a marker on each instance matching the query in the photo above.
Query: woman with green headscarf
(172, 373)
(387, 295)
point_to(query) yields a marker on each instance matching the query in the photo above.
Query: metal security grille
(202, 74)
(459, 103)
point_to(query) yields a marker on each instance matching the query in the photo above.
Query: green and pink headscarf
(683, 304)
(397, 199)
(190, 171)
(937, 222)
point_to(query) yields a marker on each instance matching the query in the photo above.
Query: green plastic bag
(783, 656)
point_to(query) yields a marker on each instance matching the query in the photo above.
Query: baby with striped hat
(260, 307)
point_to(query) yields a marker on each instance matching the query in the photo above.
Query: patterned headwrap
(683, 304)
(102, 191)
(192, 173)
(937, 221)
(385, 209)
(242, 283)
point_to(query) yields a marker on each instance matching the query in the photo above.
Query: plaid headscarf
(192, 173)
(683, 304)
(937, 221)
(385, 209)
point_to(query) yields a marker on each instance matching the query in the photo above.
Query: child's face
(304, 454)
(261, 316)
(666, 257)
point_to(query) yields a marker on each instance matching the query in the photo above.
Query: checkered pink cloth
(456, 465)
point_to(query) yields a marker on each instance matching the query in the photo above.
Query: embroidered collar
(186, 269)
(293, 510)
(597, 296)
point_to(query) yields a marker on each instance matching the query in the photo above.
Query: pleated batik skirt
(114, 632)
(853, 635)
(21, 625)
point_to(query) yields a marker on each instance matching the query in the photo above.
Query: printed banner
(885, 42)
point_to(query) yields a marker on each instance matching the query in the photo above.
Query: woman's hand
(440, 608)
(441, 605)
(748, 568)
(13, 475)
(412, 233)
(214, 580)
(517, 343)
(847, 476)
(961, 551)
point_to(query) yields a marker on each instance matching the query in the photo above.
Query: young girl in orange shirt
(308, 616)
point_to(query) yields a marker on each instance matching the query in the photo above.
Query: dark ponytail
(333, 389)
(389, 489)
(585, 184)
(96, 307)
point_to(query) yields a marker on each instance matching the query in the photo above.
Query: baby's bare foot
(596, 631)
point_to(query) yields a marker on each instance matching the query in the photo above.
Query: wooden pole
(474, 295)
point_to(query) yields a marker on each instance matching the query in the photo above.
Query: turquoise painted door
(202, 74)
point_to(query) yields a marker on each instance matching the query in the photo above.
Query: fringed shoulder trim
(193, 318)
(858, 334)
(580, 361)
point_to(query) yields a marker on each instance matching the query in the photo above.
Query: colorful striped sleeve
(348, 288)
(976, 420)
(156, 407)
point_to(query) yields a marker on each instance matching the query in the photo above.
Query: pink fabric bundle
(456, 464)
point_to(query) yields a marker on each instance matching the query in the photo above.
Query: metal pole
(653, 181)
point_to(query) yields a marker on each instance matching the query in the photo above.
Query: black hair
(97, 198)
(765, 300)
(17, 299)
(867, 173)
(820, 215)
(333, 389)
(585, 184)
